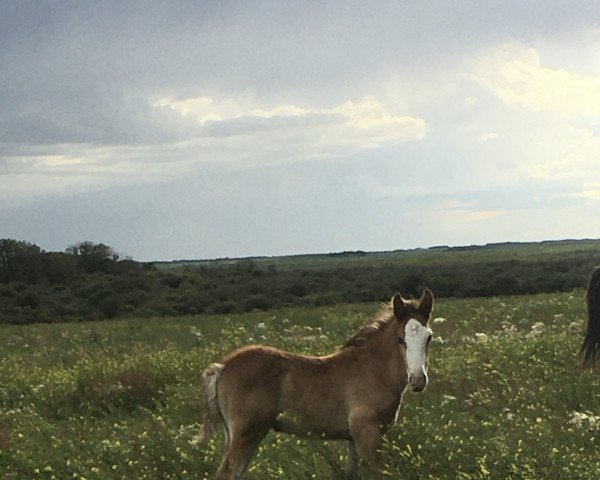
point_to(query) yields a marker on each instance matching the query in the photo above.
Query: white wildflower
(439, 320)
(584, 420)
(508, 328)
(261, 326)
(536, 329)
(196, 333)
(481, 337)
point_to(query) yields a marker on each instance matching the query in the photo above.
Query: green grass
(120, 399)
(419, 257)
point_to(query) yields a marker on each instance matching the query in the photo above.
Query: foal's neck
(383, 351)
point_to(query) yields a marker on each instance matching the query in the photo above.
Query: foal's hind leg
(351, 470)
(242, 444)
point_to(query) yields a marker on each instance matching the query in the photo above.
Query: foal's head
(414, 335)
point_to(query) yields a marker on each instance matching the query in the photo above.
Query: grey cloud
(79, 118)
(81, 79)
(265, 45)
(82, 71)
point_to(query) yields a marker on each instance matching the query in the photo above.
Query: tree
(94, 257)
(91, 249)
(60, 267)
(20, 261)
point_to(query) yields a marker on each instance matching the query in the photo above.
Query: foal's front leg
(366, 433)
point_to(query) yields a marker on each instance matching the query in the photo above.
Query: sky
(188, 129)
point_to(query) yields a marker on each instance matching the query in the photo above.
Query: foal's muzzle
(417, 382)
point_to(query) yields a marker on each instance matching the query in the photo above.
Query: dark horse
(590, 350)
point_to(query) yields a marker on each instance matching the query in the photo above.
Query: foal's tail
(590, 350)
(212, 417)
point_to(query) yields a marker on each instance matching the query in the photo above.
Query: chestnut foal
(352, 394)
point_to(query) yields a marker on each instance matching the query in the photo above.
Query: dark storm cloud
(82, 71)
(84, 117)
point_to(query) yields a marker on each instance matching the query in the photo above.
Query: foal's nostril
(417, 383)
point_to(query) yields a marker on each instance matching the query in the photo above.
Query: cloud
(590, 194)
(386, 189)
(90, 119)
(459, 211)
(364, 124)
(486, 137)
(579, 158)
(470, 101)
(515, 74)
(387, 110)
(533, 121)
(170, 138)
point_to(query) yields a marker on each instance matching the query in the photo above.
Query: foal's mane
(374, 325)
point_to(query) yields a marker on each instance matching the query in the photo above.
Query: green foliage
(90, 282)
(119, 399)
(19, 261)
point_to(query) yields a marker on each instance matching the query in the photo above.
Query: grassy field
(119, 399)
(419, 257)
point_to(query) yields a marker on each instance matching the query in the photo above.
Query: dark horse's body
(590, 350)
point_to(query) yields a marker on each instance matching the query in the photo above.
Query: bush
(258, 302)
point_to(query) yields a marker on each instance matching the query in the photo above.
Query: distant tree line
(89, 281)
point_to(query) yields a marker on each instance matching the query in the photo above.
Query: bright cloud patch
(363, 124)
(545, 129)
(486, 137)
(456, 211)
(516, 74)
(579, 159)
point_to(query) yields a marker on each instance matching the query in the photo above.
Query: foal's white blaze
(416, 336)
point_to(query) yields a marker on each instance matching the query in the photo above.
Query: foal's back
(301, 394)
(264, 382)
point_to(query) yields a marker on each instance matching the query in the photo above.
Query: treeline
(89, 281)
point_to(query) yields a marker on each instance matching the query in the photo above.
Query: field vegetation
(91, 282)
(119, 399)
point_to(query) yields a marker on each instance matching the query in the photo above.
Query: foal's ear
(398, 305)
(426, 303)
